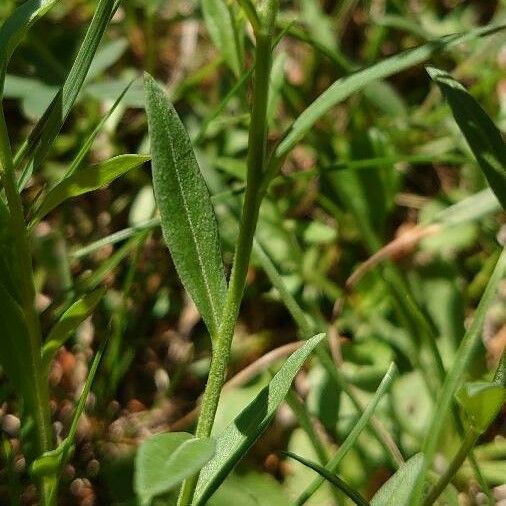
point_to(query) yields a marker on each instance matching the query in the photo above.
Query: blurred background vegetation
(377, 165)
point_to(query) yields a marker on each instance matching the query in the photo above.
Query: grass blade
(69, 321)
(233, 443)
(348, 85)
(187, 215)
(364, 419)
(483, 137)
(220, 24)
(332, 478)
(84, 181)
(461, 363)
(14, 29)
(40, 140)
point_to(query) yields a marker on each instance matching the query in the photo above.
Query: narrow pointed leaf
(330, 477)
(86, 180)
(47, 128)
(69, 321)
(15, 27)
(483, 137)
(397, 490)
(187, 215)
(165, 460)
(235, 441)
(346, 86)
(220, 24)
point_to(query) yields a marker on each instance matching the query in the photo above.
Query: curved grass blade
(87, 180)
(14, 29)
(220, 24)
(187, 215)
(332, 478)
(364, 419)
(348, 85)
(165, 460)
(69, 321)
(483, 137)
(234, 442)
(40, 140)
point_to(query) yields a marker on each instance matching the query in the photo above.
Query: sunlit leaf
(235, 441)
(187, 216)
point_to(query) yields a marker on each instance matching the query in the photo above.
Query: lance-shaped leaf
(86, 180)
(483, 137)
(187, 215)
(165, 460)
(69, 321)
(235, 441)
(15, 27)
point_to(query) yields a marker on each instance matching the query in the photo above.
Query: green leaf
(15, 27)
(187, 216)
(220, 23)
(483, 137)
(15, 350)
(235, 441)
(47, 128)
(86, 180)
(397, 490)
(481, 401)
(165, 460)
(9, 265)
(69, 321)
(332, 478)
(346, 86)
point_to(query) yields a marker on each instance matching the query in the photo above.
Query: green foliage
(165, 460)
(187, 216)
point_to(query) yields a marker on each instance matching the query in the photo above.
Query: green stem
(40, 408)
(467, 444)
(252, 199)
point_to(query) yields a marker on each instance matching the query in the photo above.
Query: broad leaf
(220, 23)
(481, 401)
(86, 180)
(15, 27)
(187, 216)
(69, 321)
(348, 85)
(331, 477)
(483, 137)
(165, 460)
(235, 441)
(397, 490)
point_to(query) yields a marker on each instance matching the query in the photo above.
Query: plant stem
(40, 405)
(467, 444)
(252, 199)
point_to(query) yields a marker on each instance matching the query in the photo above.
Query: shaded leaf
(483, 137)
(331, 477)
(220, 23)
(69, 321)
(15, 27)
(165, 460)
(87, 180)
(397, 490)
(235, 441)
(187, 216)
